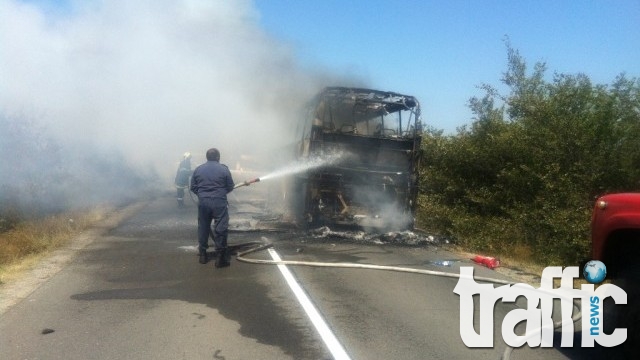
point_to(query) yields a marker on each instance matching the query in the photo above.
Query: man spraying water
(212, 182)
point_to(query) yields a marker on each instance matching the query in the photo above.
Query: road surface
(137, 291)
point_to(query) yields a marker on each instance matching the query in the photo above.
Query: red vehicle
(615, 240)
(615, 233)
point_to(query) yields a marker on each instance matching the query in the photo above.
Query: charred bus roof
(393, 101)
(367, 112)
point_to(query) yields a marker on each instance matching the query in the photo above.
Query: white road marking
(189, 248)
(321, 326)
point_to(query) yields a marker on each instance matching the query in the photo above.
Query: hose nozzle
(246, 183)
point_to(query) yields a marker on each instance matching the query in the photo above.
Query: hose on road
(241, 256)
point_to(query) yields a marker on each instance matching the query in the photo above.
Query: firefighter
(182, 178)
(212, 182)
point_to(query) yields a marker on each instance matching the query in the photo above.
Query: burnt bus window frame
(374, 183)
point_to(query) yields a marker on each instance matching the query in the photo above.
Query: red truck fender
(614, 214)
(615, 240)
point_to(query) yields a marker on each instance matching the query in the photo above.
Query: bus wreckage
(371, 139)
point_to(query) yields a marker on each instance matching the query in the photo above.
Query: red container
(487, 261)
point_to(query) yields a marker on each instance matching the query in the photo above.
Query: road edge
(13, 292)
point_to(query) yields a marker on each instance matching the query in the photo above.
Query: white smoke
(151, 78)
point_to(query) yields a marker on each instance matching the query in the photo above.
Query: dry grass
(521, 257)
(23, 246)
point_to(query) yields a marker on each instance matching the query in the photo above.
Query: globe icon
(594, 271)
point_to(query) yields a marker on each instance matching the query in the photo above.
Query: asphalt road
(137, 291)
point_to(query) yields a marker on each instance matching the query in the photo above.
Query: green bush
(525, 173)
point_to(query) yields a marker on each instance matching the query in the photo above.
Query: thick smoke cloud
(146, 81)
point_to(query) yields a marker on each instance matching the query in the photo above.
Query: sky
(440, 51)
(156, 78)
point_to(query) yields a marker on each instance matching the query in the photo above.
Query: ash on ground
(393, 237)
(248, 218)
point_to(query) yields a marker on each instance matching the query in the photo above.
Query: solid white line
(329, 338)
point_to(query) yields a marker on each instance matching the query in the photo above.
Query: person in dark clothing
(182, 178)
(212, 182)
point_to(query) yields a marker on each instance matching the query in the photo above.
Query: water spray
(294, 168)
(246, 183)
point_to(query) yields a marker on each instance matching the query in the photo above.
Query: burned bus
(367, 145)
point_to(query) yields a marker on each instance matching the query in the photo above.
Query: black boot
(204, 258)
(223, 258)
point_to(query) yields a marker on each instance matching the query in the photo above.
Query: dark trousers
(215, 210)
(180, 196)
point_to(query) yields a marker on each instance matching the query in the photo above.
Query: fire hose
(241, 256)
(246, 183)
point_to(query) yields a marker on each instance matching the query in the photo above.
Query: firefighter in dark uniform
(212, 182)
(182, 178)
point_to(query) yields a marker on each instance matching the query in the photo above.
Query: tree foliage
(525, 173)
